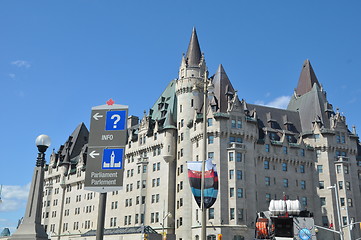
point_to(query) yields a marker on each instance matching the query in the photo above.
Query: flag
(210, 182)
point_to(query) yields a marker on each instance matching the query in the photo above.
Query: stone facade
(261, 153)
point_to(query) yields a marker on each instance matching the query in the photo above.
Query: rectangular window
(284, 167)
(285, 182)
(285, 150)
(319, 168)
(233, 123)
(267, 147)
(323, 201)
(211, 213)
(325, 221)
(239, 157)
(210, 122)
(302, 152)
(303, 184)
(266, 164)
(342, 202)
(239, 192)
(348, 185)
(231, 213)
(210, 139)
(239, 174)
(267, 181)
(302, 168)
(304, 201)
(338, 168)
(231, 174)
(231, 192)
(239, 124)
(321, 184)
(231, 156)
(268, 197)
(211, 155)
(349, 202)
(346, 169)
(340, 185)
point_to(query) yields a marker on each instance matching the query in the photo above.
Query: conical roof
(222, 88)
(193, 56)
(307, 79)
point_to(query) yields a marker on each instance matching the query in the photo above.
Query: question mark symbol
(117, 116)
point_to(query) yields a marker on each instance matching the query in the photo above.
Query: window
(321, 184)
(285, 150)
(303, 184)
(210, 139)
(239, 174)
(267, 147)
(267, 181)
(317, 137)
(348, 185)
(231, 213)
(144, 168)
(285, 182)
(345, 168)
(266, 164)
(344, 221)
(342, 202)
(338, 168)
(319, 168)
(268, 197)
(231, 174)
(340, 185)
(231, 156)
(349, 202)
(302, 152)
(304, 201)
(240, 214)
(231, 192)
(239, 192)
(210, 122)
(302, 168)
(211, 213)
(239, 124)
(284, 167)
(323, 201)
(211, 155)
(239, 157)
(233, 123)
(325, 221)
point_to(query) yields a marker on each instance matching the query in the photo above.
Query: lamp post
(31, 228)
(338, 210)
(164, 237)
(208, 89)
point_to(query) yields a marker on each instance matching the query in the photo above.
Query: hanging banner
(210, 182)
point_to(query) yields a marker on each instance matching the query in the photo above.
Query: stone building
(262, 153)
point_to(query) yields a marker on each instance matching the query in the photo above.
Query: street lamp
(164, 237)
(338, 210)
(31, 227)
(208, 91)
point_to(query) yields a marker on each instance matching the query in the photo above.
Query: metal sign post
(105, 165)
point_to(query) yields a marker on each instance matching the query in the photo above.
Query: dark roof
(313, 107)
(280, 118)
(307, 79)
(222, 89)
(124, 230)
(193, 56)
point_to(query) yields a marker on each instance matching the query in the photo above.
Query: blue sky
(60, 58)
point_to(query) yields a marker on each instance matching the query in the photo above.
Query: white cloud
(14, 197)
(280, 102)
(21, 63)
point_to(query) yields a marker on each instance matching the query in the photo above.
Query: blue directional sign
(115, 120)
(112, 158)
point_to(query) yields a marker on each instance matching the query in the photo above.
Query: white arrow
(93, 154)
(97, 116)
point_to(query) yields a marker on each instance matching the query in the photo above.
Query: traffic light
(219, 236)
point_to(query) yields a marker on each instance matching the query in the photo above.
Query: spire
(193, 56)
(307, 79)
(223, 89)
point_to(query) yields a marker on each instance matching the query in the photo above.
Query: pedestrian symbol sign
(115, 120)
(112, 158)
